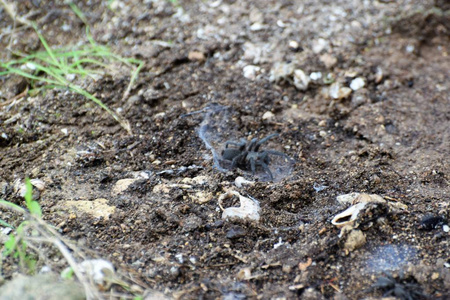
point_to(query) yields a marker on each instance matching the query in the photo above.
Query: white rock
(66, 28)
(281, 24)
(256, 26)
(252, 52)
(30, 66)
(5, 231)
(315, 75)
(347, 198)
(101, 271)
(354, 198)
(200, 197)
(337, 92)
(71, 77)
(250, 71)
(240, 181)
(281, 70)
(301, 80)
(410, 48)
(249, 208)
(279, 244)
(378, 75)
(244, 274)
(20, 188)
(351, 73)
(256, 15)
(294, 45)
(357, 83)
(268, 115)
(319, 45)
(215, 4)
(37, 183)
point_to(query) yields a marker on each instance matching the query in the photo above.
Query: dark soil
(391, 138)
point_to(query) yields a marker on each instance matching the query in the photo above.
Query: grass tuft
(57, 68)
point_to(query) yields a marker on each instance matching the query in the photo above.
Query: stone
(97, 208)
(121, 185)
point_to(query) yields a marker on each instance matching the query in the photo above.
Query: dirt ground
(218, 71)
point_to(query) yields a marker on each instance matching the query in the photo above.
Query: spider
(247, 155)
(401, 288)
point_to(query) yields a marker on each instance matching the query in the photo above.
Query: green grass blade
(46, 46)
(5, 224)
(11, 205)
(33, 206)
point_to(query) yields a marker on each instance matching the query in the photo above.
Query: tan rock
(121, 185)
(96, 208)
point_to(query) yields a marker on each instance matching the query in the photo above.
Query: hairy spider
(401, 287)
(245, 156)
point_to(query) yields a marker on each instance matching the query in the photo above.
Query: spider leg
(264, 157)
(251, 145)
(263, 140)
(252, 165)
(266, 169)
(236, 161)
(241, 144)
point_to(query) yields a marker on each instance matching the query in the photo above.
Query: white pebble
(294, 45)
(268, 115)
(445, 228)
(315, 75)
(249, 208)
(256, 26)
(410, 48)
(357, 83)
(250, 71)
(301, 81)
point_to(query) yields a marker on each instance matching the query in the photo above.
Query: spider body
(249, 156)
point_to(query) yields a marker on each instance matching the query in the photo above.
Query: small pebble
(196, 55)
(328, 60)
(338, 92)
(294, 46)
(301, 81)
(315, 76)
(357, 83)
(250, 71)
(240, 181)
(322, 123)
(236, 232)
(256, 27)
(268, 115)
(410, 48)
(319, 45)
